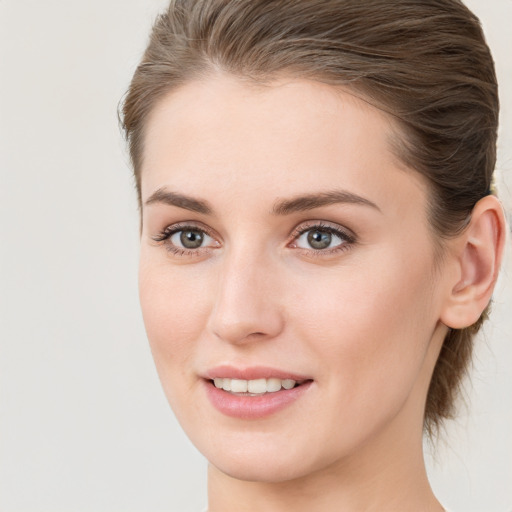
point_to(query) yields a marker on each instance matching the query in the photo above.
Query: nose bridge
(246, 308)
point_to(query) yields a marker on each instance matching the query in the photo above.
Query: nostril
(257, 334)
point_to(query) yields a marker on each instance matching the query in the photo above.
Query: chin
(267, 469)
(264, 457)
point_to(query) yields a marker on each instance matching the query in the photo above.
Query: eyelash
(164, 238)
(347, 238)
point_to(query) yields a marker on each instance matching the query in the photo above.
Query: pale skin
(363, 316)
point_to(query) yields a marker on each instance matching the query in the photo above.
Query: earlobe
(479, 250)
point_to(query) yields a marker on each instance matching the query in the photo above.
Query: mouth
(262, 393)
(255, 387)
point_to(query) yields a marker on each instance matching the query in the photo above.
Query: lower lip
(253, 407)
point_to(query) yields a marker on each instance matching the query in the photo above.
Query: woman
(319, 240)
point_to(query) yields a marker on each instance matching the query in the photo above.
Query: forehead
(222, 135)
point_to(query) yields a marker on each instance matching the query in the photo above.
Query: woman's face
(284, 245)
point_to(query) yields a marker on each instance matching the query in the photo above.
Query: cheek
(370, 326)
(175, 308)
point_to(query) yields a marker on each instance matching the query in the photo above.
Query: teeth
(254, 387)
(238, 386)
(288, 383)
(273, 385)
(257, 386)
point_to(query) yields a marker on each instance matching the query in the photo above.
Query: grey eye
(189, 238)
(318, 239)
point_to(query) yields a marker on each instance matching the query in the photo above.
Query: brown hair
(425, 62)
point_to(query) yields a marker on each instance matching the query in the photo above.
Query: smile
(255, 387)
(262, 393)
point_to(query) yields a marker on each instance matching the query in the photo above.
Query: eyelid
(163, 237)
(183, 226)
(332, 227)
(347, 236)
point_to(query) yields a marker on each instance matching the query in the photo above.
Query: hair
(425, 62)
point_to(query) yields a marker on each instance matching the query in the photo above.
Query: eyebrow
(312, 201)
(165, 196)
(281, 207)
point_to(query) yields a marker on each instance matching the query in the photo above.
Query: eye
(186, 240)
(190, 239)
(318, 239)
(322, 238)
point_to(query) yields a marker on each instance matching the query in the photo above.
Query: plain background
(84, 425)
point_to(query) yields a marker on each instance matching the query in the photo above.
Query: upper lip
(251, 373)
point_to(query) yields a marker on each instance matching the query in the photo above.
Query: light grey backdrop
(84, 425)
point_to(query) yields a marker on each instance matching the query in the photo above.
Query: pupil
(319, 239)
(191, 239)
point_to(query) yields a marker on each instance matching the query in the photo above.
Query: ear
(477, 257)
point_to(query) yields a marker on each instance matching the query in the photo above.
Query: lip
(253, 407)
(252, 373)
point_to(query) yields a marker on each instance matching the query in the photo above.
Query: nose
(247, 305)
